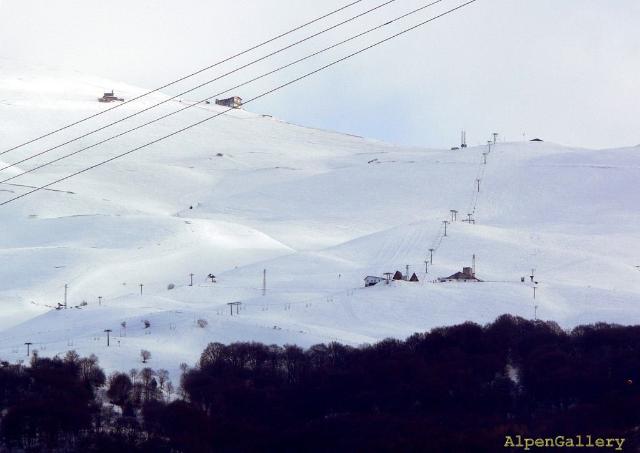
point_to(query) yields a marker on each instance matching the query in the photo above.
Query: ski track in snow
(306, 205)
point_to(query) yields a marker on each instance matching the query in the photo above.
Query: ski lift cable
(203, 84)
(260, 96)
(195, 104)
(199, 71)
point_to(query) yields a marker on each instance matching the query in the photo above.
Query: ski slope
(318, 210)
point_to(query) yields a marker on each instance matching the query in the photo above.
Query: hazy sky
(563, 70)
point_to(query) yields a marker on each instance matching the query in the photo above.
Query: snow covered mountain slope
(318, 210)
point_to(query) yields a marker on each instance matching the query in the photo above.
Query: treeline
(459, 388)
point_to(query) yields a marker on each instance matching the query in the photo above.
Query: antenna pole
(264, 282)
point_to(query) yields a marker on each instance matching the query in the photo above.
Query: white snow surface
(318, 210)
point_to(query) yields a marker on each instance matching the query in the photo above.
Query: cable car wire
(264, 94)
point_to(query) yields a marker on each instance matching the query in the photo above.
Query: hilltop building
(110, 97)
(234, 102)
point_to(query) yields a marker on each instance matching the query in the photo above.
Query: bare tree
(119, 391)
(71, 357)
(146, 355)
(149, 384)
(170, 390)
(163, 377)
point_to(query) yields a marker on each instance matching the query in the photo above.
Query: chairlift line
(233, 71)
(195, 104)
(260, 96)
(257, 46)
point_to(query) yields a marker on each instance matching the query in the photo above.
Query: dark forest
(454, 389)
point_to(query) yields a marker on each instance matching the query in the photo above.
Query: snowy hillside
(318, 210)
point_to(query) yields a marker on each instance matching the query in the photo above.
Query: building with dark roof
(467, 275)
(234, 102)
(110, 97)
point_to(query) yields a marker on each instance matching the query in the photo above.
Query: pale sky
(563, 70)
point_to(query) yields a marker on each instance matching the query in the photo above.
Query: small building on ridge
(234, 102)
(110, 97)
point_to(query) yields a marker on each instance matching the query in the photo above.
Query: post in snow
(264, 282)
(108, 331)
